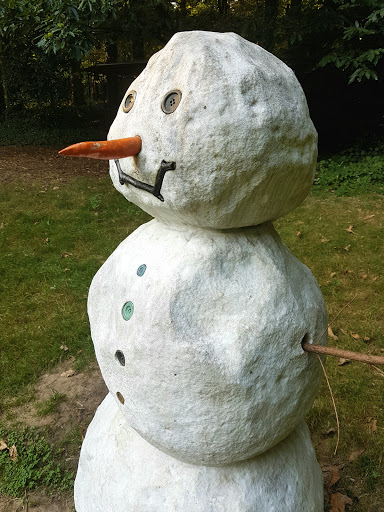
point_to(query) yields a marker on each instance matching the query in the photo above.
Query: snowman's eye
(171, 101)
(129, 101)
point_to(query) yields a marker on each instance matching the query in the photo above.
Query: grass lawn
(54, 237)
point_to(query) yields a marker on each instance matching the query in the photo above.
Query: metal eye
(129, 101)
(171, 101)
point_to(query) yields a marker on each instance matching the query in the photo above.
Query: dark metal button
(127, 310)
(129, 101)
(141, 270)
(120, 357)
(171, 101)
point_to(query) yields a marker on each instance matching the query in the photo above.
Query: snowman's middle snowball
(214, 370)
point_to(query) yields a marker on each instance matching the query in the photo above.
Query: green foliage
(35, 465)
(51, 405)
(354, 171)
(358, 47)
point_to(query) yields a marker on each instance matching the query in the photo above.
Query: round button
(129, 101)
(120, 357)
(127, 310)
(120, 397)
(171, 101)
(141, 270)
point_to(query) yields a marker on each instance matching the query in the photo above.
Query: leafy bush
(352, 172)
(33, 466)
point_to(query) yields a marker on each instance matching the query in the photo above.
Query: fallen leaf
(68, 373)
(343, 361)
(55, 188)
(372, 425)
(66, 269)
(368, 217)
(364, 276)
(366, 338)
(333, 274)
(330, 432)
(324, 240)
(355, 454)
(64, 347)
(13, 453)
(42, 191)
(331, 475)
(355, 336)
(338, 502)
(331, 334)
(66, 254)
(347, 247)
(342, 330)
(348, 271)
(382, 350)
(349, 229)
(298, 234)
(3, 445)
(375, 278)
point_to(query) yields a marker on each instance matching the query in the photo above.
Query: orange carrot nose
(105, 149)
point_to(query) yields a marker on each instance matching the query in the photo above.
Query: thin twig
(333, 319)
(334, 405)
(378, 370)
(347, 354)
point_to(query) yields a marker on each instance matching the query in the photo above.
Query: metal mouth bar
(125, 179)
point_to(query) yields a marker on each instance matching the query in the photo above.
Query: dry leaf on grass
(364, 276)
(372, 425)
(343, 361)
(355, 336)
(355, 455)
(331, 333)
(3, 445)
(333, 274)
(349, 229)
(68, 373)
(13, 453)
(338, 502)
(324, 240)
(369, 217)
(64, 347)
(347, 247)
(367, 338)
(330, 432)
(298, 234)
(331, 475)
(66, 254)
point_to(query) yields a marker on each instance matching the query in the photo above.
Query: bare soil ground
(83, 391)
(31, 162)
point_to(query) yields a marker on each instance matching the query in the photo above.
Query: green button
(127, 310)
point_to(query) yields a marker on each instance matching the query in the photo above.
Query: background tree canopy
(336, 48)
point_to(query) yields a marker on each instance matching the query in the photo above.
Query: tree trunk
(271, 10)
(5, 97)
(112, 80)
(78, 97)
(223, 6)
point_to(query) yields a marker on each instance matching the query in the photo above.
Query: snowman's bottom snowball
(121, 472)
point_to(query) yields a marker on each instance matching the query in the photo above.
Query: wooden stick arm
(338, 352)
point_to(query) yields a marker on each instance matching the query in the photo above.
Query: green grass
(53, 240)
(51, 405)
(35, 464)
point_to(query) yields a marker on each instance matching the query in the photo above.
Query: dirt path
(40, 162)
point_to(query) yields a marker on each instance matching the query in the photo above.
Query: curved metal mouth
(125, 179)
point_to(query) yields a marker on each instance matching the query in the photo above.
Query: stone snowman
(198, 316)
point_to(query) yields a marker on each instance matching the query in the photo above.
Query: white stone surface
(120, 472)
(214, 370)
(242, 139)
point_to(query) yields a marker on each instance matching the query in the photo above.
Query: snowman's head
(226, 137)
